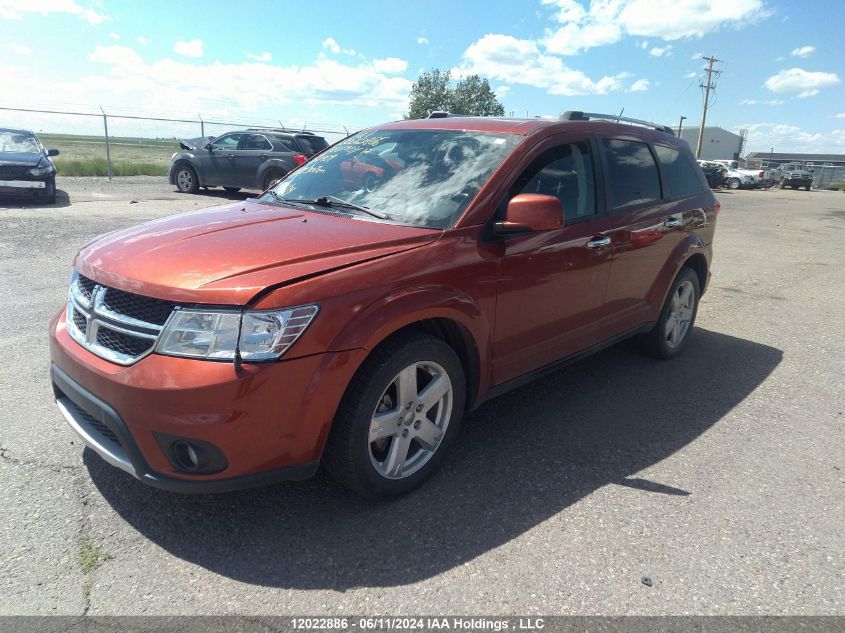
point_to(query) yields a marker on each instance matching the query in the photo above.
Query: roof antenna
(620, 115)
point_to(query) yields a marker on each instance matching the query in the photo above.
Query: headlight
(215, 334)
(41, 171)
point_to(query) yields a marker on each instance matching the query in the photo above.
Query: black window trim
(229, 134)
(611, 210)
(248, 134)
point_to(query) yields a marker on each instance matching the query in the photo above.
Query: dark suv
(331, 322)
(251, 159)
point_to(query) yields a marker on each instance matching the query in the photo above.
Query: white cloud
(791, 138)
(501, 91)
(114, 36)
(191, 48)
(697, 55)
(120, 56)
(20, 49)
(761, 101)
(660, 51)
(330, 44)
(143, 41)
(16, 9)
(170, 85)
(690, 74)
(640, 85)
(260, 57)
(422, 40)
(643, 45)
(519, 61)
(804, 51)
(841, 115)
(607, 21)
(803, 82)
(390, 65)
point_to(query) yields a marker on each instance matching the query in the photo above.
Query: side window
(631, 173)
(679, 177)
(254, 141)
(286, 144)
(565, 172)
(228, 141)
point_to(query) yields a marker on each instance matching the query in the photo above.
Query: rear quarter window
(680, 178)
(631, 173)
(312, 144)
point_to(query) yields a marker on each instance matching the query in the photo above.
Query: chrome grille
(119, 326)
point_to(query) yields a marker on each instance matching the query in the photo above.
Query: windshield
(19, 143)
(419, 177)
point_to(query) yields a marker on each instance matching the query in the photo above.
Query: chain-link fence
(94, 142)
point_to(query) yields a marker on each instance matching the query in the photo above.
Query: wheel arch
(179, 162)
(691, 253)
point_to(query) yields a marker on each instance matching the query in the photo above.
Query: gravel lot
(717, 475)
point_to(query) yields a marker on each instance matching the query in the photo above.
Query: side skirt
(524, 379)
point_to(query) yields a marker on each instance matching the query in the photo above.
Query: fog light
(186, 455)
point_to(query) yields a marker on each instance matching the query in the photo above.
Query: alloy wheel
(681, 310)
(410, 420)
(184, 180)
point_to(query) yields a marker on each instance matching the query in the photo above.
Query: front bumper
(270, 421)
(29, 187)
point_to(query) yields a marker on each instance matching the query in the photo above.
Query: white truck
(763, 178)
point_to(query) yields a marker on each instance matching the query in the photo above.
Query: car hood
(228, 254)
(195, 143)
(20, 158)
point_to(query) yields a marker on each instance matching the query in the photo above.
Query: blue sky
(352, 63)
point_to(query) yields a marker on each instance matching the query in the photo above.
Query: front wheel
(733, 183)
(398, 417)
(186, 179)
(672, 331)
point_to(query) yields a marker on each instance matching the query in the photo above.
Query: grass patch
(90, 557)
(98, 167)
(837, 186)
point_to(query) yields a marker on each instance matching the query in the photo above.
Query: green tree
(471, 95)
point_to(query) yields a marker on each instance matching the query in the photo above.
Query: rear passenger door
(650, 220)
(552, 284)
(253, 150)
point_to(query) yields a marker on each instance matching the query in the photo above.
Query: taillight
(717, 207)
(300, 158)
(760, 175)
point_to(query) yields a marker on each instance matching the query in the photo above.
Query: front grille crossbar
(119, 326)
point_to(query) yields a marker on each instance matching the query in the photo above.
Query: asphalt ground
(718, 475)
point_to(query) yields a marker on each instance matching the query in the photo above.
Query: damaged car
(252, 159)
(26, 170)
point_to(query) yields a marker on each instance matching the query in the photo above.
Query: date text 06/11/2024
(411, 623)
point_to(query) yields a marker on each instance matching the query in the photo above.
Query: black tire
(269, 179)
(347, 457)
(51, 192)
(807, 187)
(733, 183)
(186, 179)
(232, 189)
(656, 341)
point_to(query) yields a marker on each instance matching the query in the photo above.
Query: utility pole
(681, 126)
(710, 61)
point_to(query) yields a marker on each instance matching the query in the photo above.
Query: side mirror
(530, 213)
(207, 146)
(52, 152)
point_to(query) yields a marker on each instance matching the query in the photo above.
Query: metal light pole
(681, 126)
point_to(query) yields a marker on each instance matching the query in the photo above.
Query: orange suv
(325, 322)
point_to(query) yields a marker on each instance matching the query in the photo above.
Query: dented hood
(227, 254)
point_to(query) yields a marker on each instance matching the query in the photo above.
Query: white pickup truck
(762, 177)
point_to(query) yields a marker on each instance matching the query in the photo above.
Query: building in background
(717, 144)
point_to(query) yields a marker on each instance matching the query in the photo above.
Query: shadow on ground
(23, 202)
(523, 458)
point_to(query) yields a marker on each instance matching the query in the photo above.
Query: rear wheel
(672, 331)
(269, 179)
(186, 179)
(398, 417)
(733, 183)
(370, 183)
(807, 187)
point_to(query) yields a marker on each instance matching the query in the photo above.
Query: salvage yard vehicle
(252, 159)
(793, 176)
(715, 173)
(25, 166)
(326, 322)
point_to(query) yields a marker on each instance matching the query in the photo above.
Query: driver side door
(218, 163)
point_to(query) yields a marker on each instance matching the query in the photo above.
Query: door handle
(673, 223)
(231, 157)
(598, 242)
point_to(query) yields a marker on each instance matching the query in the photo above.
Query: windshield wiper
(332, 201)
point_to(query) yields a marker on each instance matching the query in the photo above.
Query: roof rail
(574, 115)
(280, 130)
(441, 114)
